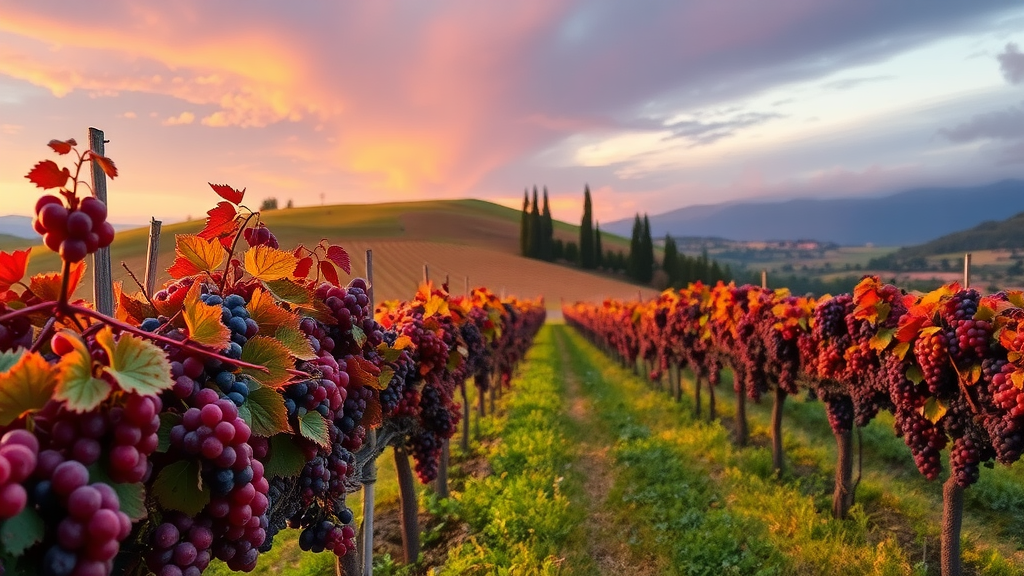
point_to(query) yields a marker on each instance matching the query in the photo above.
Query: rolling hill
(906, 218)
(459, 238)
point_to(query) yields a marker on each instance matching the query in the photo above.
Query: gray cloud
(704, 133)
(1000, 125)
(848, 83)
(1012, 64)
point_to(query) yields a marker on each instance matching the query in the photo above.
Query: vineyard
(238, 402)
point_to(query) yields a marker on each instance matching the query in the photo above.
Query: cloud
(705, 133)
(1011, 62)
(180, 120)
(10, 129)
(848, 83)
(1005, 124)
(129, 115)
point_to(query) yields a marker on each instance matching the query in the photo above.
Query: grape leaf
(362, 371)
(168, 420)
(264, 310)
(933, 409)
(179, 486)
(403, 342)
(47, 174)
(220, 221)
(296, 342)
(329, 273)
(47, 286)
(8, 358)
(19, 533)
(435, 305)
(303, 267)
(76, 385)
(132, 498)
(132, 308)
(915, 375)
(267, 264)
(228, 193)
(25, 385)
(340, 257)
(203, 321)
(272, 355)
(358, 335)
(285, 459)
(1017, 379)
(136, 364)
(267, 413)
(373, 416)
(385, 377)
(880, 341)
(313, 426)
(62, 147)
(105, 164)
(195, 255)
(13, 267)
(173, 304)
(290, 292)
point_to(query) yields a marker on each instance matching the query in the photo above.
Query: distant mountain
(902, 219)
(990, 235)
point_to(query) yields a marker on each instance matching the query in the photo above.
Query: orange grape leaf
(62, 147)
(329, 272)
(296, 342)
(402, 342)
(137, 365)
(195, 255)
(203, 321)
(303, 267)
(77, 387)
(173, 304)
(105, 164)
(228, 193)
(364, 372)
(130, 307)
(13, 267)
(340, 257)
(47, 286)
(220, 221)
(268, 264)
(264, 310)
(47, 174)
(27, 381)
(373, 417)
(272, 355)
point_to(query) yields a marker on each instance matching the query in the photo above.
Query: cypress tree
(633, 264)
(647, 251)
(524, 225)
(598, 254)
(670, 261)
(536, 228)
(548, 226)
(587, 231)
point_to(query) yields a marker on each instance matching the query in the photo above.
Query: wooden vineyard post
(408, 505)
(369, 477)
(466, 411)
(152, 256)
(102, 278)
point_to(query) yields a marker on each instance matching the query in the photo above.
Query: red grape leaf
(266, 412)
(62, 147)
(264, 310)
(105, 164)
(228, 193)
(313, 426)
(173, 304)
(132, 308)
(26, 384)
(47, 174)
(272, 355)
(296, 342)
(195, 255)
(268, 264)
(303, 267)
(203, 321)
(362, 371)
(329, 272)
(47, 286)
(76, 386)
(285, 459)
(13, 267)
(137, 365)
(179, 486)
(220, 222)
(339, 256)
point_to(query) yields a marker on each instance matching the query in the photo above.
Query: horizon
(673, 106)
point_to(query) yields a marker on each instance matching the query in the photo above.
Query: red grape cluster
(18, 454)
(73, 233)
(180, 546)
(260, 235)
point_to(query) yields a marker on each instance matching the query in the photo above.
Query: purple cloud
(1012, 64)
(1000, 125)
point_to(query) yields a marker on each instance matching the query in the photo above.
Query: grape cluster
(73, 233)
(322, 534)
(968, 338)
(18, 454)
(16, 332)
(932, 355)
(839, 408)
(235, 316)
(180, 545)
(260, 235)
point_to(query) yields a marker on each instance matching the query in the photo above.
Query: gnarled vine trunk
(842, 498)
(409, 507)
(952, 519)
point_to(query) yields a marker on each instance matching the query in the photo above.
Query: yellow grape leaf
(901, 349)
(268, 314)
(435, 305)
(203, 321)
(933, 409)
(272, 355)
(296, 342)
(195, 255)
(290, 292)
(881, 340)
(77, 387)
(1018, 379)
(267, 264)
(136, 364)
(975, 374)
(26, 384)
(402, 342)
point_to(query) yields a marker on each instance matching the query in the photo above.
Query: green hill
(992, 235)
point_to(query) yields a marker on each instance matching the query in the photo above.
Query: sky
(655, 105)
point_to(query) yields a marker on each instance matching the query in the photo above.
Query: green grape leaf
(313, 426)
(295, 342)
(284, 459)
(19, 533)
(271, 354)
(137, 365)
(76, 385)
(266, 412)
(179, 486)
(168, 420)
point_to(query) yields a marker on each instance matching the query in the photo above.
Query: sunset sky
(656, 104)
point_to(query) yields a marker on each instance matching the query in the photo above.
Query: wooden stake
(152, 256)
(369, 478)
(764, 279)
(967, 270)
(102, 277)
